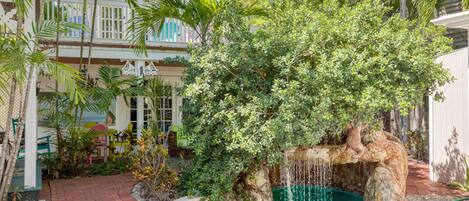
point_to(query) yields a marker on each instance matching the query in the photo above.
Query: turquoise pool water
(314, 193)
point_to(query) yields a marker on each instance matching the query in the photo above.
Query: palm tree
(111, 85)
(154, 89)
(20, 60)
(199, 15)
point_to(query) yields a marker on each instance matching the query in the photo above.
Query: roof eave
(457, 20)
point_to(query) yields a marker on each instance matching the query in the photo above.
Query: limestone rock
(383, 186)
(257, 184)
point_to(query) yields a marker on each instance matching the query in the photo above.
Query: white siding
(449, 127)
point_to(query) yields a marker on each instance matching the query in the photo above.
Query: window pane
(168, 103)
(167, 115)
(134, 127)
(133, 115)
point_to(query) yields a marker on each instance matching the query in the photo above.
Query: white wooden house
(110, 46)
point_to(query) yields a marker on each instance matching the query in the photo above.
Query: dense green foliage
(306, 73)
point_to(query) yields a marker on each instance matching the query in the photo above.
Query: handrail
(112, 21)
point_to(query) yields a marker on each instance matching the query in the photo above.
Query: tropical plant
(109, 87)
(110, 168)
(154, 90)
(78, 144)
(20, 58)
(149, 167)
(200, 15)
(309, 71)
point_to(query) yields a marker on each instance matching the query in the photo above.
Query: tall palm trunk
(8, 137)
(58, 131)
(82, 44)
(83, 19)
(93, 20)
(10, 169)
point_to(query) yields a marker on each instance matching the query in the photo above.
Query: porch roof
(457, 20)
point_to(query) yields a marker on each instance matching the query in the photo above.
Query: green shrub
(77, 145)
(110, 168)
(305, 74)
(149, 167)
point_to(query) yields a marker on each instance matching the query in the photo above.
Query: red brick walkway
(98, 188)
(118, 187)
(418, 183)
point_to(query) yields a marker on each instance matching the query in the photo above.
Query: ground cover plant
(311, 69)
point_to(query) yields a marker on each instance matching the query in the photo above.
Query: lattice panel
(5, 105)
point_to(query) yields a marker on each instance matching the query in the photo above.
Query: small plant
(463, 186)
(418, 144)
(77, 146)
(149, 167)
(110, 168)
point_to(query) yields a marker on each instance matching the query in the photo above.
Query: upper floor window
(112, 22)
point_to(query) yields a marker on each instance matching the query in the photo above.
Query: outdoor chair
(43, 143)
(102, 143)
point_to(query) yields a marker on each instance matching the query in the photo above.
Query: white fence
(449, 122)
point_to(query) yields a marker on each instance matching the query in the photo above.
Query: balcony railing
(111, 21)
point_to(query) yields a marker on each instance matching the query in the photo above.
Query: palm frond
(49, 28)
(22, 7)
(147, 19)
(465, 4)
(65, 75)
(426, 10)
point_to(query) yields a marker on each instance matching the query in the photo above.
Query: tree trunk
(8, 128)
(6, 180)
(57, 125)
(7, 144)
(83, 18)
(92, 31)
(106, 141)
(403, 9)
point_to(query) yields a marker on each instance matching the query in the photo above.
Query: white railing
(112, 21)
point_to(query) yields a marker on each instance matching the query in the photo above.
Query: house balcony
(112, 24)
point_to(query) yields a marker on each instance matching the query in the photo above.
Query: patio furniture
(102, 142)
(43, 143)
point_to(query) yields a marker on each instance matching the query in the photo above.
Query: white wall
(449, 137)
(170, 75)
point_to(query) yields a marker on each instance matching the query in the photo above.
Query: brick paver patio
(98, 188)
(118, 187)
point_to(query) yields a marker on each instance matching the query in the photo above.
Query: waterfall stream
(306, 179)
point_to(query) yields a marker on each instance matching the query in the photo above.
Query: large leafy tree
(309, 71)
